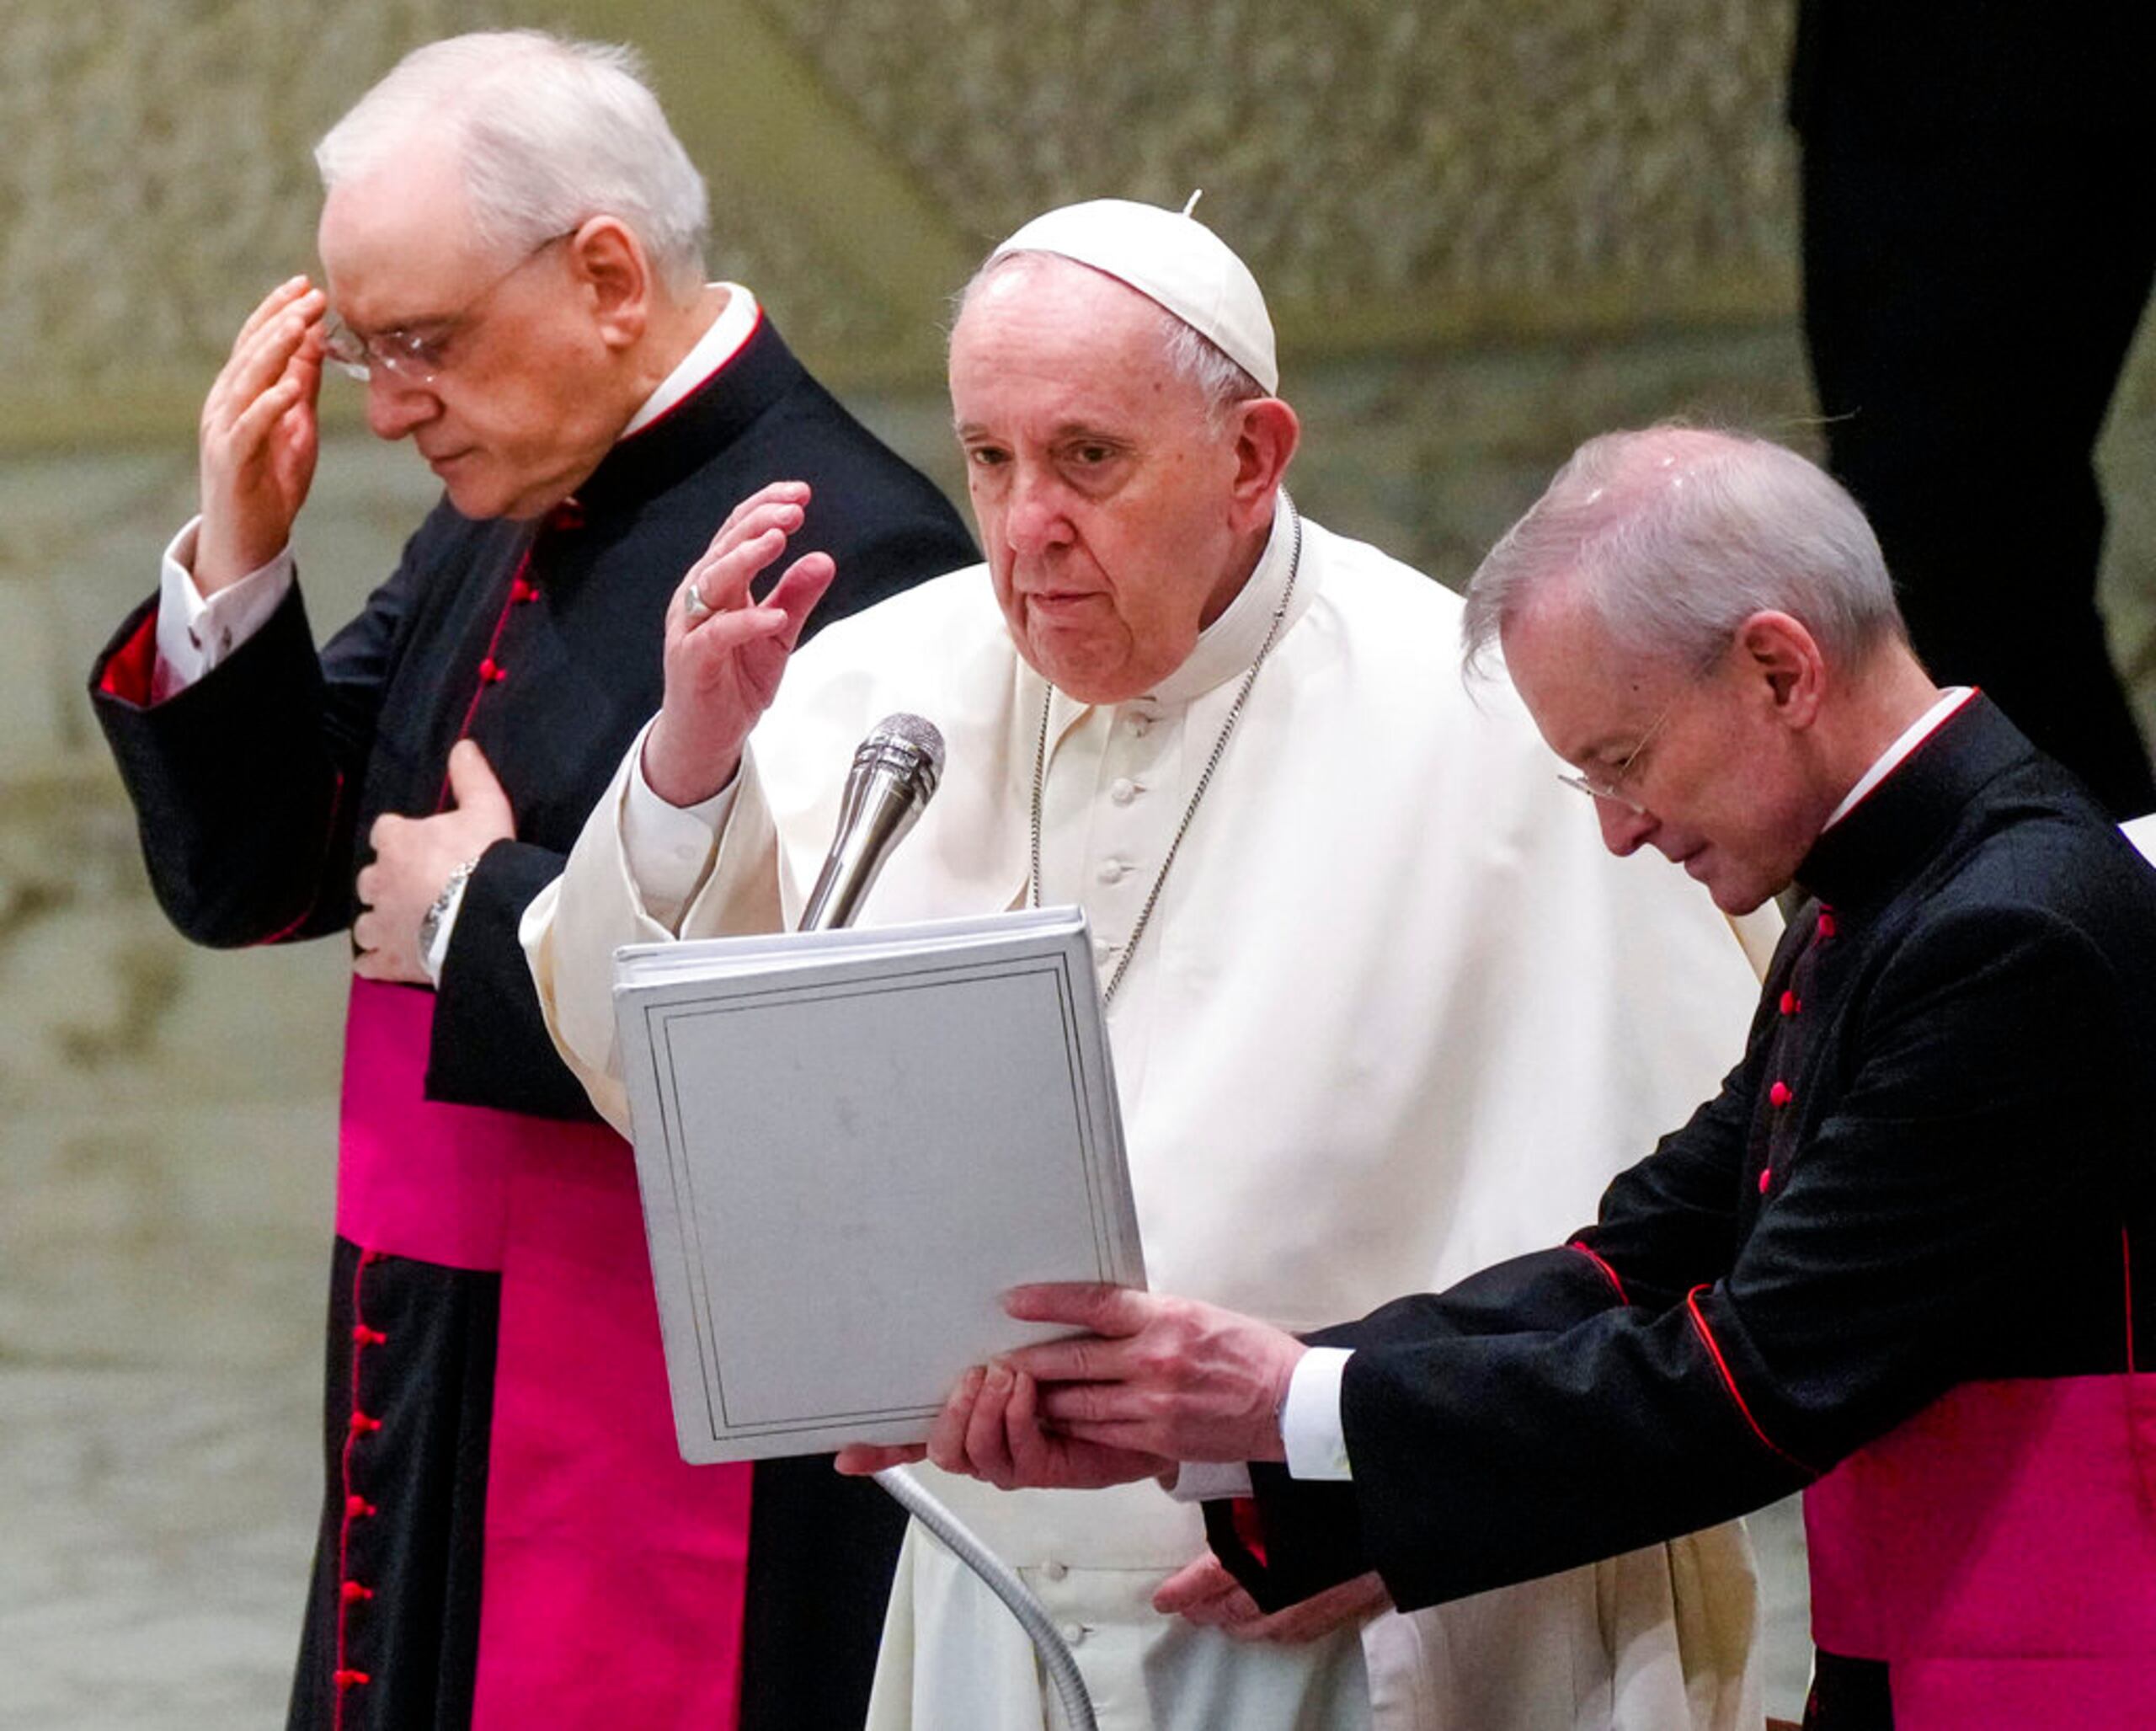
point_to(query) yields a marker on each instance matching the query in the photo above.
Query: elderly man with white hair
(1380, 1009)
(512, 243)
(1899, 1260)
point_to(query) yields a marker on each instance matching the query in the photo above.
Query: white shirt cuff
(669, 849)
(1210, 1481)
(438, 951)
(1310, 1423)
(194, 633)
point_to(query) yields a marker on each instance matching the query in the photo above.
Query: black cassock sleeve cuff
(1289, 1540)
(490, 1046)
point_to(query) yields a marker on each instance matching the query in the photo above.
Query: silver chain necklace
(1204, 780)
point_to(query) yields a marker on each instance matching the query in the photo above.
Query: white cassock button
(1124, 790)
(1102, 950)
(1111, 871)
(1141, 724)
(1055, 1571)
(1073, 1634)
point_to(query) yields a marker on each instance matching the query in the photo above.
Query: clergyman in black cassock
(1930, 1169)
(1892, 1263)
(508, 1535)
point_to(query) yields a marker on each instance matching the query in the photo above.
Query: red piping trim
(1608, 1272)
(487, 665)
(1729, 1382)
(130, 674)
(1249, 1523)
(725, 361)
(1968, 697)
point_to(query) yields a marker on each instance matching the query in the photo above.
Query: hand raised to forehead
(259, 439)
(725, 651)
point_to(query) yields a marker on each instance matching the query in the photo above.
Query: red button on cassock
(1765, 1179)
(1789, 1004)
(1826, 924)
(1780, 1094)
(354, 1592)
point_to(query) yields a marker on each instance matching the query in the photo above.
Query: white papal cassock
(1397, 1014)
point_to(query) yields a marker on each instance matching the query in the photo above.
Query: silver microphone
(895, 770)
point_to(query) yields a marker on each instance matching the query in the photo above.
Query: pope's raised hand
(726, 650)
(259, 439)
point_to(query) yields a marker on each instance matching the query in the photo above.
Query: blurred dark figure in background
(1979, 235)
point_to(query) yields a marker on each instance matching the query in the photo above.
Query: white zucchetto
(1170, 258)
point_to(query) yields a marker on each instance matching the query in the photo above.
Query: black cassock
(255, 790)
(1931, 1169)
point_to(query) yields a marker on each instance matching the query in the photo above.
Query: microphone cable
(1002, 1580)
(895, 771)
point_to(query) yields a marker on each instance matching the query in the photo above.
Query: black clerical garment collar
(1886, 840)
(680, 440)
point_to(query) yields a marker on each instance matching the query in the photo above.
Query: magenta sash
(1998, 1550)
(614, 1573)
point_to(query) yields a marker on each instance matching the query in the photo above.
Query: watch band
(452, 888)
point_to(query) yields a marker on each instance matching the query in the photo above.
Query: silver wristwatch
(430, 922)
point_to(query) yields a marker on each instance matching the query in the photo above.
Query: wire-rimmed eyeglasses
(415, 354)
(1613, 788)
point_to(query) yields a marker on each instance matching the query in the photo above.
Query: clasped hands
(1155, 1381)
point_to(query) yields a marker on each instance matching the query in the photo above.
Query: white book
(850, 1144)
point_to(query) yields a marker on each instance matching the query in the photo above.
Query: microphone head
(910, 743)
(894, 774)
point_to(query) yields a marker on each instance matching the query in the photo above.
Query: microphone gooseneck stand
(1056, 1659)
(895, 770)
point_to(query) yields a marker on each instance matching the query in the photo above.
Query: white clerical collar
(1913, 736)
(736, 322)
(1227, 647)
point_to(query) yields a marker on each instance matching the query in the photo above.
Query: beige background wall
(1488, 227)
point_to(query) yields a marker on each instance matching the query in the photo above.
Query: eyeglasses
(1614, 788)
(415, 354)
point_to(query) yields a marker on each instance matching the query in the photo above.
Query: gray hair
(1191, 354)
(1675, 535)
(549, 133)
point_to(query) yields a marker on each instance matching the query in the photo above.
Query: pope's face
(519, 412)
(1104, 498)
(1707, 778)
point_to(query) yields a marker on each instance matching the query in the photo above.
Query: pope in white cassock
(1383, 1009)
